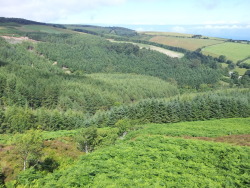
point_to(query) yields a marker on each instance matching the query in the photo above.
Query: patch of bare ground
(15, 40)
(66, 148)
(11, 163)
(242, 140)
(166, 52)
(169, 53)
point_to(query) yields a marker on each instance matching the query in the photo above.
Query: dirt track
(15, 40)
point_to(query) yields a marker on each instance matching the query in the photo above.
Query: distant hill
(20, 21)
(98, 30)
(95, 30)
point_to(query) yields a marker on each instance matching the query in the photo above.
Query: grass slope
(166, 34)
(247, 61)
(233, 51)
(19, 29)
(211, 128)
(130, 84)
(43, 28)
(241, 71)
(106, 90)
(187, 43)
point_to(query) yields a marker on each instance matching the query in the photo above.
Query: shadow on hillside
(3, 63)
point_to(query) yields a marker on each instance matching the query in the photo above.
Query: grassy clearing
(211, 128)
(155, 48)
(247, 61)
(224, 65)
(187, 43)
(233, 51)
(134, 82)
(43, 28)
(9, 31)
(18, 30)
(241, 71)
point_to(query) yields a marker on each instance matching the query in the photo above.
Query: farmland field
(233, 51)
(166, 34)
(187, 43)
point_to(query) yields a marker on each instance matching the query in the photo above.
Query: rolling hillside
(235, 51)
(160, 155)
(187, 43)
(91, 106)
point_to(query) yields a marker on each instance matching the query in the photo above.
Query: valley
(92, 106)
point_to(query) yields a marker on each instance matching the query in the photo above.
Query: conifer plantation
(78, 110)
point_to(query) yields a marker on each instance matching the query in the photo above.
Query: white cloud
(178, 29)
(221, 22)
(140, 29)
(209, 4)
(50, 10)
(223, 26)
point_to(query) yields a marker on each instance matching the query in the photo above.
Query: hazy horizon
(218, 18)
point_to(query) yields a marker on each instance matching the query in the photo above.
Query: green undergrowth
(155, 155)
(156, 161)
(208, 128)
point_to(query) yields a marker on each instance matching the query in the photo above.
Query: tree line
(200, 107)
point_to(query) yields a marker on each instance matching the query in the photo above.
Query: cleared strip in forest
(242, 140)
(14, 40)
(155, 48)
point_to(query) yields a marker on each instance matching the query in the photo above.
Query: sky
(215, 16)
